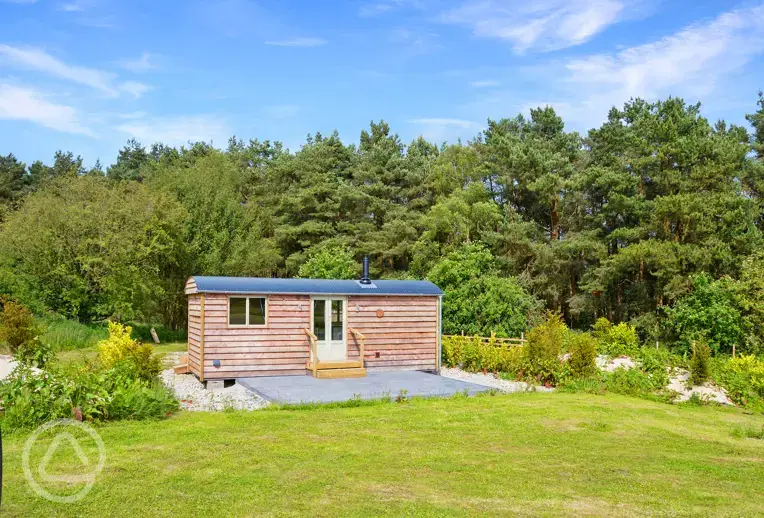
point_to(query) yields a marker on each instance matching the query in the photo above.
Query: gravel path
(489, 380)
(195, 397)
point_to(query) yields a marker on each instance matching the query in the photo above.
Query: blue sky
(86, 75)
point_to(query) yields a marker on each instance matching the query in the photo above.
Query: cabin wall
(279, 348)
(194, 332)
(405, 336)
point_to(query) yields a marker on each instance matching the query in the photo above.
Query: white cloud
(138, 65)
(282, 111)
(20, 1)
(36, 59)
(378, 8)
(542, 25)
(485, 83)
(134, 88)
(39, 60)
(440, 129)
(177, 131)
(18, 103)
(71, 7)
(691, 62)
(297, 42)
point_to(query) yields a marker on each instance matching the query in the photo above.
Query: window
(246, 311)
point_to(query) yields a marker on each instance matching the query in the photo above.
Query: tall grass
(66, 335)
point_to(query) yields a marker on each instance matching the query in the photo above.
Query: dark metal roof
(258, 285)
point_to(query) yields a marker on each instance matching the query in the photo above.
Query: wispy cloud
(542, 25)
(485, 83)
(27, 104)
(39, 60)
(439, 129)
(297, 42)
(138, 65)
(698, 62)
(691, 62)
(282, 111)
(19, 1)
(71, 7)
(177, 130)
(134, 88)
(416, 42)
(379, 8)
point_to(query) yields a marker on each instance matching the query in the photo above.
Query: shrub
(615, 340)
(17, 326)
(711, 310)
(35, 353)
(655, 363)
(473, 354)
(333, 262)
(700, 364)
(121, 348)
(544, 346)
(140, 400)
(634, 382)
(583, 352)
(742, 378)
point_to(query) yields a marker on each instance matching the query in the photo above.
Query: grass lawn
(521, 454)
(90, 353)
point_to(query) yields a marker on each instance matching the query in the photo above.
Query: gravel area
(489, 380)
(195, 397)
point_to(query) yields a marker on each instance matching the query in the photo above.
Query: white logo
(84, 471)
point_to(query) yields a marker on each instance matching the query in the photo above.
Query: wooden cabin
(244, 326)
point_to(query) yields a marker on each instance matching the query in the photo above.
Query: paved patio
(307, 389)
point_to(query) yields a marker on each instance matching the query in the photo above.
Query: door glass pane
(237, 312)
(337, 320)
(257, 311)
(319, 315)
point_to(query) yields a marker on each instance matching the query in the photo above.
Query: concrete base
(376, 385)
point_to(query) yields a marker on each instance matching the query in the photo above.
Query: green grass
(90, 353)
(525, 454)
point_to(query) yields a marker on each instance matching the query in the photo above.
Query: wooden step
(342, 364)
(357, 372)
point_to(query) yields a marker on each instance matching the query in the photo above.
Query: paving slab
(376, 385)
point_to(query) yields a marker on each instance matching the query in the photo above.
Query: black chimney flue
(365, 278)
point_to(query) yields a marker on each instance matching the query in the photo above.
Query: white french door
(328, 316)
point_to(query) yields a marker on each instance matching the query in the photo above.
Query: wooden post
(201, 340)
(734, 348)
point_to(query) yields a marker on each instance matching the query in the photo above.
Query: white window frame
(246, 311)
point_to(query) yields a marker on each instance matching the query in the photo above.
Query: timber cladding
(404, 337)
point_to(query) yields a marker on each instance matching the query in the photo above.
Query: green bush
(615, 340)
(742, 378)
(66, 335)
(120, 349)
(710, 311)
(476, 355)
(634, 382)
(700, 364)
(656, 363)
(583, 353)
(544, 346)
(18, 327)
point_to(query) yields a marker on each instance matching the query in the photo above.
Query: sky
(87, 75)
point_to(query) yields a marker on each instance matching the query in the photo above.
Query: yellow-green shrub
(615, 340)
(120, 350)
(474, 354)
(544, 346)
(750, 367)
(583, 352)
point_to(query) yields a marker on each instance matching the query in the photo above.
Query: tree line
(625, 222)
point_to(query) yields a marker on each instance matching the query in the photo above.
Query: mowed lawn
(522, 454)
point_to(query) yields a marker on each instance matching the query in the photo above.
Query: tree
(330, 263)
(132, 157)
(13, 183)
